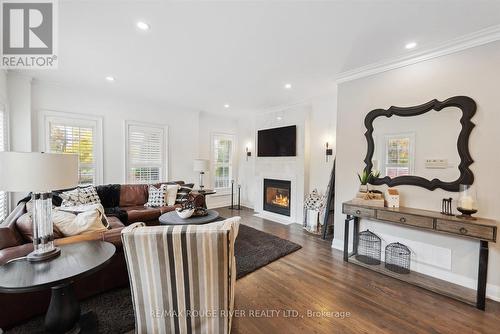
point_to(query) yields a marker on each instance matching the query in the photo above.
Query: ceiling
(204, 54)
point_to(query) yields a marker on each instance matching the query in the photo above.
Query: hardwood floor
(315, 278)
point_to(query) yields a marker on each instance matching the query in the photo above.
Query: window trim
(233, 138)
(166, 150)
(50, 115)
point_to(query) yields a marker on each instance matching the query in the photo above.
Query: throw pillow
(79, 196)
(171, 194)
(88, 195)
(156, 196)
(183, 192)
(70, 197)
(90, 220)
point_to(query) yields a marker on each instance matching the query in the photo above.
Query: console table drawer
(418, 221)
(359, 212)
(470, 230)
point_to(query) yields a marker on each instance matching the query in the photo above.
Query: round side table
(76, 261)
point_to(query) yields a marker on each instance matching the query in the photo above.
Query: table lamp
(39, 173)
(202, 166)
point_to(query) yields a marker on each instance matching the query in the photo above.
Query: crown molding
(481, 37)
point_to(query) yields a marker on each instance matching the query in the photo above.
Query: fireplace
(277, 196)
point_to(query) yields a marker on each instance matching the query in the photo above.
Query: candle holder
(467, 202)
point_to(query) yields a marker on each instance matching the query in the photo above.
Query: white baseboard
(492, 291)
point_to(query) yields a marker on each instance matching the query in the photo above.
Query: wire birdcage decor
(397, 258)
(369, 248)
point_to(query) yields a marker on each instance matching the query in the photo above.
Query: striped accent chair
(182, 278)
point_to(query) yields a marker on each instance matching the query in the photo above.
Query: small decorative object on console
(369, 248)
(200, 212)
(397, 258)
(392, 198)
(446, 207)
(365, 196)
(467, 202)
(364, 178)
(187, 208)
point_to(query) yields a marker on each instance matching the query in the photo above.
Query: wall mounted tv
(277, 142)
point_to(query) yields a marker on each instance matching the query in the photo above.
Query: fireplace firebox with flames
(277, 196)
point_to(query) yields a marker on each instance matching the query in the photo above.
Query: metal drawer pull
(463, 230)
(358, 212)
(402, 219)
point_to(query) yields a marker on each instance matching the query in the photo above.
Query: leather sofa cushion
(133, 195)
(114, 222)
(9, 237)
(141, 213)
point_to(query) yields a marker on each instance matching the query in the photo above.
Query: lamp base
(38, 257)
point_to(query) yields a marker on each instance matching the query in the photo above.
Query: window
(67, 134)
(146, 153)
(222, 160)
(3, 146)
(399, 155)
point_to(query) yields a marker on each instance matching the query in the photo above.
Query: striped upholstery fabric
(182, 277)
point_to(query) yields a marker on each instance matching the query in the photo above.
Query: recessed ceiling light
(410, 45)
(143, 25)
(226, 106)
(110, 78)
(288, 86)
(279, 118)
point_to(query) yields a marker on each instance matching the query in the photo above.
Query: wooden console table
(483, 230)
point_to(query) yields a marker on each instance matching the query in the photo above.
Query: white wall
(3, 86)
(322, 127)
(475, 73)
(19, 93)
(182, 125)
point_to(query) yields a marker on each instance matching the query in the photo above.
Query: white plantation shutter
(3, 147)
(73, 138)
(222, 160)
(146, 158)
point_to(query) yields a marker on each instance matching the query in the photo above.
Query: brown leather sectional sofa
(130, 200)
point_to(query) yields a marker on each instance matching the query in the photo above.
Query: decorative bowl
(184, 214)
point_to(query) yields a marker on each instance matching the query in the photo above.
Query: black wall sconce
(329, 152)
(249, 154)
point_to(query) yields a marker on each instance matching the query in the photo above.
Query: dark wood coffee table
(76, 261)
(172, 218)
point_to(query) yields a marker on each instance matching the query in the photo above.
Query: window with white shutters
(222, 160)
(146, 153)
(66, 133)
(3, 147)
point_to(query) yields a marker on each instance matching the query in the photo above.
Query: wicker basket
(369, 248)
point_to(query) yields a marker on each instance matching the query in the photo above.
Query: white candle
(467, 203)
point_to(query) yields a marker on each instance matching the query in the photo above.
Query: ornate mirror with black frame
(425, 145)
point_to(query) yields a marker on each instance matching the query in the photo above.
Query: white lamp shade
(37, 172)
(201, 165)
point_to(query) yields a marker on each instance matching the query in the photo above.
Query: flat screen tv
(277, 142)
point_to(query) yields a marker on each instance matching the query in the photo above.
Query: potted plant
(365, 178)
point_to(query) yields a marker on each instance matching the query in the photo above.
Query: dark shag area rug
(253, 250)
